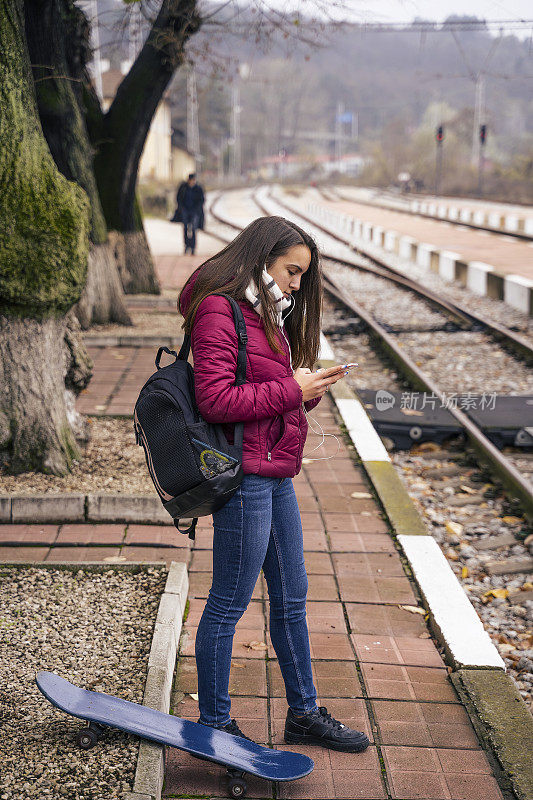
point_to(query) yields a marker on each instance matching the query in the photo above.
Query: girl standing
(272, 269)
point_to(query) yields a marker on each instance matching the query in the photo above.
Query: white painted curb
(149, 773)
(461, 628)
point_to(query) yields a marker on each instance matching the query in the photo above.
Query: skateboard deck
(207, 743)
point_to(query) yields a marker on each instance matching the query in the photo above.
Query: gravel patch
(112, 463)
(94, 629)
(434, 477)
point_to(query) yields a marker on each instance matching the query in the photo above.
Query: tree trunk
(58, 41)
(43, 267)
(121, 136)
(38, 422)
(102, 300)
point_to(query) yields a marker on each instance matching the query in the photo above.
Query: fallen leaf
(464, 572)
(194, 696)
(496, 593)
(256, 646)
(238, 666)
(413, 609)
(513, 520)
(468, 490)
(424, 635)
(528, 539)
(361, 495)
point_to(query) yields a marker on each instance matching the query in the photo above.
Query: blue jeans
(260, 527)
(191, 219)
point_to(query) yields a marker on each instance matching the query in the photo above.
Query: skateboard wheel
(86, 738)
(237, 787)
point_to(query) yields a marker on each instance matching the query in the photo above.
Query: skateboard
(238, 755)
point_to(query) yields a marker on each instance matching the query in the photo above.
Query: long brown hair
(232, 269)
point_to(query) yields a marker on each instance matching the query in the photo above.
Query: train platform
(506, 255)
(439, 724)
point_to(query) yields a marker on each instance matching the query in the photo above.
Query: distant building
(161, 160)
(183, 161)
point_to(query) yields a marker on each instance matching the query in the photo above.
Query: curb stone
(150, 769)
(503, 721)
(72, 507)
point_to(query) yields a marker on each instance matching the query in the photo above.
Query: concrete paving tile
(325, 617)
(331, 645)
(446, 734)
(473, 787)
(397, 732)
(473, 762)
(311, 521)
(392, 681)
(314, 540)
(358, 783)
(416, 785)
(411, 759)
(156, 535)
(373, 565)
(381, 590)
(318, 563)
(201, 561)
(91, 534)
(322, 587)
(36, 535)
(143, 554)
(396, 650)
(387, 620)
(346, 541)
(23, 554)
(315, 786)
(81, 554)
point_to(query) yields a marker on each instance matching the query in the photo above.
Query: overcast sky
(406, 10)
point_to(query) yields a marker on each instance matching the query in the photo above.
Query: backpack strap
(191, 530)
(240, 372)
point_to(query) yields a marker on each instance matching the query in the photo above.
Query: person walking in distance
(273, 271)
(190, 199)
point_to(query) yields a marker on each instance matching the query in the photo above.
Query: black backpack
(194, 469)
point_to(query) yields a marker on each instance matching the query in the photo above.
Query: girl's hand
(315, 384)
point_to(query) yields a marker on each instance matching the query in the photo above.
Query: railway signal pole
(439, 135)
(481, 165)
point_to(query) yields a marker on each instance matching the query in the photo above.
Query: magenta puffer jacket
(269, 403)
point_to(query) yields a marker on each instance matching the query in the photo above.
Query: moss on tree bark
(44, 241)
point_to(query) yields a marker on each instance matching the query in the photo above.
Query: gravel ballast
(93, 628)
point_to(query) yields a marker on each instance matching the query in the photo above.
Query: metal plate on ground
(507, 420)
(408, 417)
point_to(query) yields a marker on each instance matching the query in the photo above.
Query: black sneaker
(319, 727)
(231, 727)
